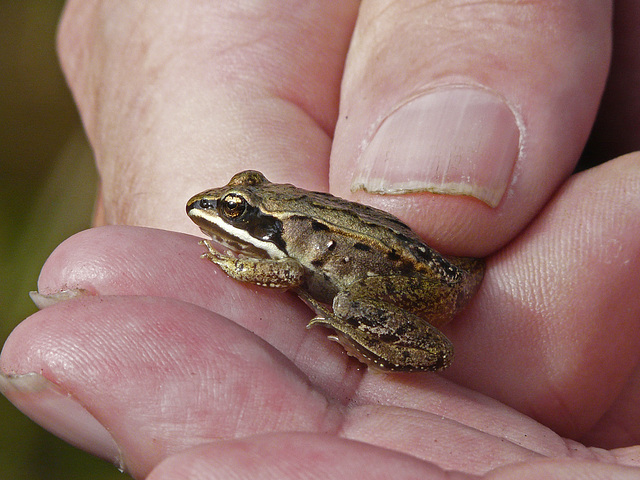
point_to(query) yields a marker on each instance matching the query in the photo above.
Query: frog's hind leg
(387, 339)
(433, 300)
(375, 323)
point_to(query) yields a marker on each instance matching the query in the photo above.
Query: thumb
(488, 101)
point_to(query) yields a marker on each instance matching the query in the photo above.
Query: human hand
(538, 317)
(164, 366)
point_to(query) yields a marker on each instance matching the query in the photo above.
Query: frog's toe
(320, 321)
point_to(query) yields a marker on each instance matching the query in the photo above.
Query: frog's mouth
(234, 245)
(237, 240)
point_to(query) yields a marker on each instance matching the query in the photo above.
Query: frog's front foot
(211, 253)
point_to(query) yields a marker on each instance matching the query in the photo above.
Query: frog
(382, 292)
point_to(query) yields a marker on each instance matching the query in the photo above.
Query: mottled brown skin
(388, 291)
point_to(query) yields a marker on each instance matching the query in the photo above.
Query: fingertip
(60, 413)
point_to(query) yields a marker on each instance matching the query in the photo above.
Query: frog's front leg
(281, 273)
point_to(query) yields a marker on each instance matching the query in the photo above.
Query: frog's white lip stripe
(242, 236)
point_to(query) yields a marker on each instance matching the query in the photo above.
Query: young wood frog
(366, 274)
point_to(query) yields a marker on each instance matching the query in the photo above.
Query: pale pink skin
(196, 376)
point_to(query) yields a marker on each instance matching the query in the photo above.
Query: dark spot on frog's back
(404, 238)
(393, 256)
(318, 227)
(388, 338)
(406, 268)
(402, 330)
(361, 246)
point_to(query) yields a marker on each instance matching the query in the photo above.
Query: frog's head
(234, 217)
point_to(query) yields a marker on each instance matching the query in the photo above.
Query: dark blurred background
(47, 189)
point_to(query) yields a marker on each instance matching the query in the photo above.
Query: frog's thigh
(433, 300)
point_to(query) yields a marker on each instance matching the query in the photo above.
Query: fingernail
(42, 301)
(60, 413)
(457, 141)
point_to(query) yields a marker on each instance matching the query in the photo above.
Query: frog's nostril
(206, 203)
(200, 204)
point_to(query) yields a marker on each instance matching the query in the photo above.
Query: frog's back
(385, 234)
(338, 212)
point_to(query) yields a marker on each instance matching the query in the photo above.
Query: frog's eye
(233, 206)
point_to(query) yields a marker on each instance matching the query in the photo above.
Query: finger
(296, 455)
(121, 260)
(555, 308)
(134, 379)
(492, 101)
(176, 97)
(569, 468)
(158, 375)
(617, 428)
(292, 456)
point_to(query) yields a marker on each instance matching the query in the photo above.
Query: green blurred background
(47, 189)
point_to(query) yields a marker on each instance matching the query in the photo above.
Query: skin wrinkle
(265, 46)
